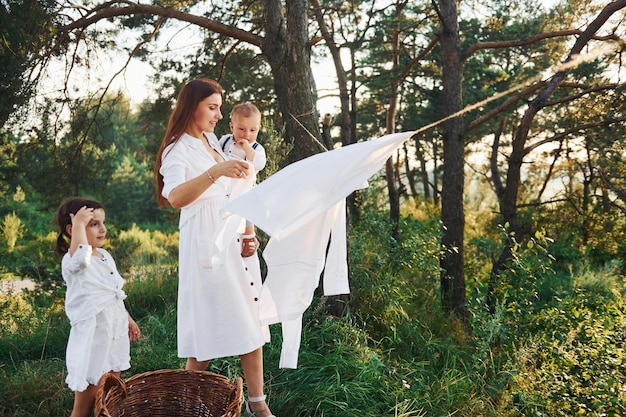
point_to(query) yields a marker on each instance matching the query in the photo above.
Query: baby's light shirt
(237, 152)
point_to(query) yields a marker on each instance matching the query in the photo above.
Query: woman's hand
(232, 169)
(187, 192)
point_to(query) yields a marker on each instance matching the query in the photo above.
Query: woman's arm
(187, 192)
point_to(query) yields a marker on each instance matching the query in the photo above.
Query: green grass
(394, 352)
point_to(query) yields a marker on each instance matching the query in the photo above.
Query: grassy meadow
(553, 347)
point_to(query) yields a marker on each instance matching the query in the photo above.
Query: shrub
(135, 248)
(32, 327)
(12, 229)
(574, 363)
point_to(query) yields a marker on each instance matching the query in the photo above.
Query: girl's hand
(133, 330)
(82, 217)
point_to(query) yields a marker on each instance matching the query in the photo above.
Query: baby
(245, 123)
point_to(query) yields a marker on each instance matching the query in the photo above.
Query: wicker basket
(169, 393)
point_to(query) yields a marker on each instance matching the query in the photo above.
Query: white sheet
(300, 207)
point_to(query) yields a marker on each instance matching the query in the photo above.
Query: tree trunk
(327, 123)
(392, 110)
(423, 171)
(286, 46)
(435, 174)
(346, 100)
(410, 175)
(452, 214)
(342, 76)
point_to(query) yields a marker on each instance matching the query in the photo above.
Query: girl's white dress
(94, 303)
(218, 290)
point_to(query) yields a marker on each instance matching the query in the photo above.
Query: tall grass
(394, 353)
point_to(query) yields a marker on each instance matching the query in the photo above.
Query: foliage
(34, 259)
(129, 196)
(393, 284)
(275, 147)
(553, 345)
(563, 338)
(28, 209)
(26, 29)
(135, 248)
(33, 327)
(12, 229)
(549, 349)
(573, 360)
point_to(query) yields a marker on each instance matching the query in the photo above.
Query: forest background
(486, 258)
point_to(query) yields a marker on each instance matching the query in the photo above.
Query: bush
(554, 346)
(136, 248)
(573, 362)
(34, 259)
(32, 327)
(12, 229)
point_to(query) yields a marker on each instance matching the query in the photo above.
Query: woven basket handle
(108, 382)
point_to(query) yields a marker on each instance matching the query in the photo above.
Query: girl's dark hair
(190, 95)
(62, 218)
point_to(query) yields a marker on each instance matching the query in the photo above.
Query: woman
(218, 289)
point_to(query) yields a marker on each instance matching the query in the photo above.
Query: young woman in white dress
(218, 293)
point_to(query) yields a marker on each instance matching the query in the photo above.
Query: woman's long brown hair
(191, 94)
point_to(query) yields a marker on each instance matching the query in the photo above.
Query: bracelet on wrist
(210, 176)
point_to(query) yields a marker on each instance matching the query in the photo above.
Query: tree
(284, 42)
(128, 192)
(401, 67)
(26, 28)
(508, 194)
(411, 65)
(452, 213)
(352, 39)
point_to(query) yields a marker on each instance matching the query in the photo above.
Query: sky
(135, 79)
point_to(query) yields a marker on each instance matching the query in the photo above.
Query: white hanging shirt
(300, 207)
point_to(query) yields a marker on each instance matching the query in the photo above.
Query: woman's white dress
(218, 290)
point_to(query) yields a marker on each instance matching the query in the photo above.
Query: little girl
(101, 328)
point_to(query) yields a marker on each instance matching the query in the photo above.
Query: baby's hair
(244, 110)
(62, 218)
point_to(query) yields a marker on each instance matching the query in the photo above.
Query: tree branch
(559, 136)
(581, 94)
(108, 10)
(548, 177)
(507, 104)
(495, 175)
(618, 192)
(533, 39)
